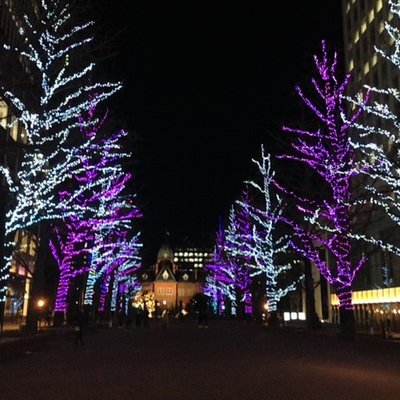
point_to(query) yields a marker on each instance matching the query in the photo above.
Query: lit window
(14, 128)
(371, 16)
(351, 65)
(379, 5)
(363, 27)
(3, 114)
(366, 68)
(374, 59)
(356, 37)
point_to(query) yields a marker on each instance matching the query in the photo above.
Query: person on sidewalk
(165, 318)
(79, 323)
(202, 310)
(145, 316)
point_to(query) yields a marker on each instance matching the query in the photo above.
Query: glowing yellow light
(41, 303)
(371, 16)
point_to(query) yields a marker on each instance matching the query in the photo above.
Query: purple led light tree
(219, 280)
(327, 151)
(106, 211)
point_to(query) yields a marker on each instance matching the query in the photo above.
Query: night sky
(205, 83)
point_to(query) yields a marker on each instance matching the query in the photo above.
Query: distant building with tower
(176, 277)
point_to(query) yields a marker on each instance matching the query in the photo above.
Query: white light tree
(62, 89)
(267, 248)
(237, 240)
(378, 143)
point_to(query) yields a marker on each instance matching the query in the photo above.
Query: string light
(328, 152)
(266, 245)
(378, 144)
(50, 121)
(101, 232)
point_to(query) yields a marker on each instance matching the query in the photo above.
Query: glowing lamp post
(40, 307)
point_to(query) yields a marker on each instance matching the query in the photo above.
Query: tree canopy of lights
(377, 141)
(101, 231)
(51, 49)
(264, 245)
(325, 223)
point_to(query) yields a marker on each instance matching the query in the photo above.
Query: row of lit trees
(356, 166)
(71, 172)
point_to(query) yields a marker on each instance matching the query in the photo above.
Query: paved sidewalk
(229, 361)
(14, 341)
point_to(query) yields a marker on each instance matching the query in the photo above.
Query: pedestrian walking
(138, 317)
(145, 316)
(165, 318)
(79, 323)
(201, 306)
(128, 321)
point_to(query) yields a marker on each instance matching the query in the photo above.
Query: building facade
(377, 287)
(175, 278)
(13, 141)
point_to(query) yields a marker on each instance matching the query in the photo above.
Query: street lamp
(40, 306)
(41, 303)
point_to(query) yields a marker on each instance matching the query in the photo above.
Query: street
(227, 361)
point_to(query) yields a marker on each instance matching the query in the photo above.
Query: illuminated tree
(378, 145)
(51, 51)
(325, 223)
(236, 237)
(145, 297)
(219, 279)
(264, 246)
(100, 234)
